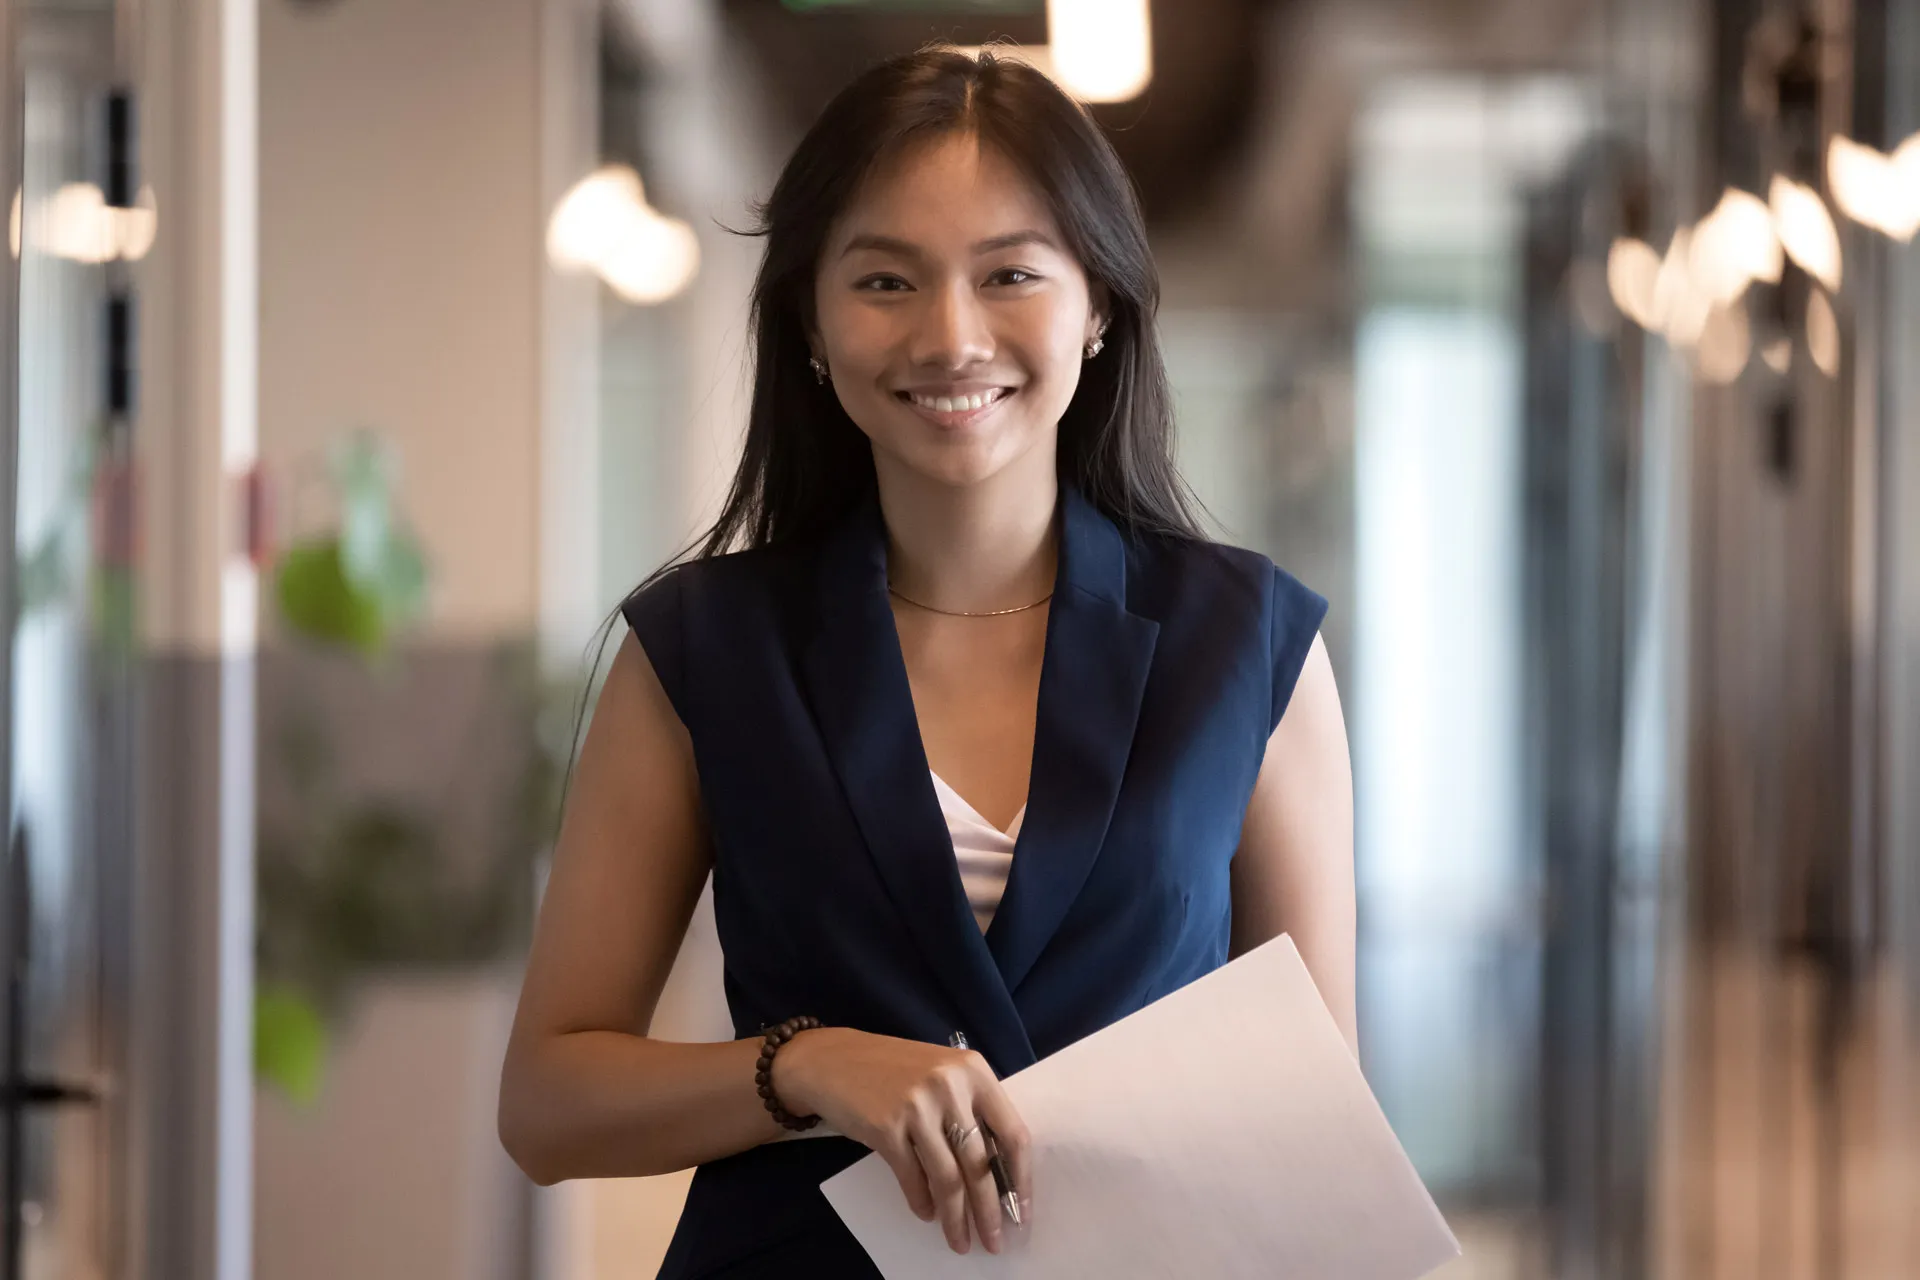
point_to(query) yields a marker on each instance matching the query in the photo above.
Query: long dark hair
(804, 463)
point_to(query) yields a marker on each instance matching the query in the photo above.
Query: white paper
(1223, 1131)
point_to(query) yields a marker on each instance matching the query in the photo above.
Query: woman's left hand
(898, 1097)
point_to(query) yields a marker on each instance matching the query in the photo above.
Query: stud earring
(820, 373)
(1093, 348)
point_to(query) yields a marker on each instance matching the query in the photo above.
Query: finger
(901, 1158)
(1016, 1143)
(955, 1083)
(983, 1195)
(943, 1178)
(960, 1088)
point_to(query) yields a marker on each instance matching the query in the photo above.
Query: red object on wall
(256, 512)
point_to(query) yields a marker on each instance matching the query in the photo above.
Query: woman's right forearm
(605, 1104)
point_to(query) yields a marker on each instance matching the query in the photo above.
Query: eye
(870, 283)
(1005, 273)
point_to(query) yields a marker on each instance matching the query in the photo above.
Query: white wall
(408, 152)
(401, 226)
(396, 1173)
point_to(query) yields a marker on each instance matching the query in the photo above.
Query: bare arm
(1293, 872)
(583, 1092)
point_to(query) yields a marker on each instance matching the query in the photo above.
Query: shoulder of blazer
(1229, 600)
(1167, 575)
(687, 606)
(734, 578)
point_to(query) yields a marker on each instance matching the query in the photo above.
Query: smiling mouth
(955, 404)
(952, 413)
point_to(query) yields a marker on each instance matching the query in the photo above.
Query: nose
(952, 331)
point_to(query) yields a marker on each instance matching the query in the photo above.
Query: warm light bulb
(604, 224)
(1823, 334)
(1804, 226)
(1734, 246)
(653, 261)
(76, 224)
(1678, 303)
(1725, 342)
(1877, 191)
(1101, 50)
(1632, 269)
(135, 229)
(594, 217)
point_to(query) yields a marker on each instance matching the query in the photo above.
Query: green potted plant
(353, 884)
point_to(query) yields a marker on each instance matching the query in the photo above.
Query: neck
(970, 548)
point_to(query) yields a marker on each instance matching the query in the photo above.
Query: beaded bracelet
(763, 1077)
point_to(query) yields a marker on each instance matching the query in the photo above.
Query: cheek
(1056, 361)
(1066, 335)
(843, 331)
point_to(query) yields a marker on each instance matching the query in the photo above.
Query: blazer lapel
(1092, 678)
(857, 685)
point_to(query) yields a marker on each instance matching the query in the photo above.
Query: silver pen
(1001, 1181)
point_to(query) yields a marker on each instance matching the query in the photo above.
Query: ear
(1099, 308)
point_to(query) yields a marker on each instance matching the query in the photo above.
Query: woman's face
(951, 314)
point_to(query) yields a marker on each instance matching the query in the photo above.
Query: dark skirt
(760, 1214)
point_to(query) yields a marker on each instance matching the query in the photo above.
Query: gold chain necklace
(957, 613)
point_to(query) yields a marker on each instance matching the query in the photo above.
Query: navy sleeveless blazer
(1168, 663)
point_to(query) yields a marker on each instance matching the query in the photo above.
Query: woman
(976, 733)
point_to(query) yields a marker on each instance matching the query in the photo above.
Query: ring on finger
(957, 1134)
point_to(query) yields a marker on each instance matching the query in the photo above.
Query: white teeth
(955, 404)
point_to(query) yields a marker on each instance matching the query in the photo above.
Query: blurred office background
(361, 354)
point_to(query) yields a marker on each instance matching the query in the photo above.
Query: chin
(958, 472)
(955, 464)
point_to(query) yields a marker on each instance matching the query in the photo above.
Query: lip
(953, 418)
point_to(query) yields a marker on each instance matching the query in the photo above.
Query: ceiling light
(1734, 246)
(653, 261)
(1875, 190)
(1805, 228)
(605, 225)
(1823, 334)
(1632, 269)
(1725, 342)
(589, 220)
(1678, 303)
(1102, 50)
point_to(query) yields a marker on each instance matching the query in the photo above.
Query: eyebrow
(905, 249)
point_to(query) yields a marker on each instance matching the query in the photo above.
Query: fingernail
(993, 1243)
